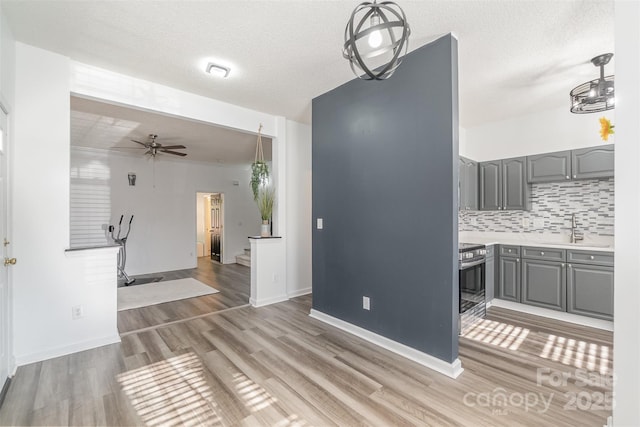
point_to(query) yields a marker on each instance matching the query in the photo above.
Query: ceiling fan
(154, 148)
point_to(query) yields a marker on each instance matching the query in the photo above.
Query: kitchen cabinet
(490, 273)
(571, 280)
(544, 284)
(549, 167)
(468, 189)
(490, 185)
(593, 162)
(590, 283)
(503, 185)
(509, 273)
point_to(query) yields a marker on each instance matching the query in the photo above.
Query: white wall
(164, 229)
(548, 131)
(298, 208)
(200, 235)
(46, 282)
(626, 333)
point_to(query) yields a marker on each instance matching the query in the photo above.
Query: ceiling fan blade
(173, 152)
(171, 147)
(141, 143)
(127, 148)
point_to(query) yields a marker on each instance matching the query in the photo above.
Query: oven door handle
(464, 266)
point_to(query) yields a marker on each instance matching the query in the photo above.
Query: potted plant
(266, 200)
(259, 168)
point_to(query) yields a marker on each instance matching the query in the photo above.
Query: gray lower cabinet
(510, 278)
(544, 284)
(490, 273)
(549, 167)
(590, 290)
(593, 162)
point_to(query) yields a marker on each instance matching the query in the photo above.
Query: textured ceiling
(104, 126)
(515, 57)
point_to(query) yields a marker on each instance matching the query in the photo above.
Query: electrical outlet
(77, 312)
(366, 303)
(319, 224)
(525, 222)
(275, 278)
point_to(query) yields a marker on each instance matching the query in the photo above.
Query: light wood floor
(276, 366)
(232, 280)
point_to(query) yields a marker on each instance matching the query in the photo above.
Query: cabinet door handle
(518, 260)
(592, 257)
(568, 177)
(542, 253)
(562, 265)
(575, 176)
(569, 265)
(509, 250)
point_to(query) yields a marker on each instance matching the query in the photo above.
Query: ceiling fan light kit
(376, 39)
(154, 148)
(596, 95)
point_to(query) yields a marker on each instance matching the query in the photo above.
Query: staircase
(245, 258)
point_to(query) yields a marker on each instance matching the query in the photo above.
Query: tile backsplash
(551, 207)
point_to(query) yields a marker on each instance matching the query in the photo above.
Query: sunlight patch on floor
(173, 392)
(496, 333)
(255, 397)
(577, 353)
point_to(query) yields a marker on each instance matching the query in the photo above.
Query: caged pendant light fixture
(596, 95)
(375, 39)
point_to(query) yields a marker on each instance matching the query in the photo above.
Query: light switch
(319, 224)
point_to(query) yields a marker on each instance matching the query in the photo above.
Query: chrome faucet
(575, 235)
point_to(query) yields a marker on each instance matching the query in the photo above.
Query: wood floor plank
(277, 366)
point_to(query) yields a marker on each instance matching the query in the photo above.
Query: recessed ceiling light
(218, 70)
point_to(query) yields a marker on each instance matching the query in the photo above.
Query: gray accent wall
(385, 182)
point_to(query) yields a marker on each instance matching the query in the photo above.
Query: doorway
(210, 225)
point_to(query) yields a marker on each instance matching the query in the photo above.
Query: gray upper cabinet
(515, 190)
(468, 184)
(544, 284)
(549, 167)
(590, 290)
(490, 185)
(503, 185)
(593, 162)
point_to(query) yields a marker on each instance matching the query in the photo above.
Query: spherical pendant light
(375, 39)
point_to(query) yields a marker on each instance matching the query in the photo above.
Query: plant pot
(265, 229)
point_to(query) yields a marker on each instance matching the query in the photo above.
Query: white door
(4, 294)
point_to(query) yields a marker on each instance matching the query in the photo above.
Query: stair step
(243, 260)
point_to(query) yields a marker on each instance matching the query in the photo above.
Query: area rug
(160, 292)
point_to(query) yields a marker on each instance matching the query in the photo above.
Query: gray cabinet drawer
(590, 257)
(549, 254)
(509, 250)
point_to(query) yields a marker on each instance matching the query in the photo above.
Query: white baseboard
(299, 292)
(267, 301)
(452, 370)
(607, 325)
(64, 350)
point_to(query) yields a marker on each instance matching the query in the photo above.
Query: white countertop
(590, 243)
